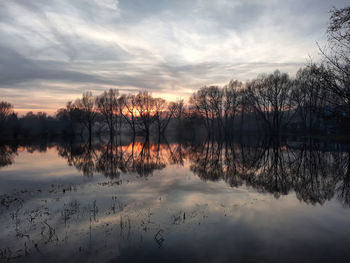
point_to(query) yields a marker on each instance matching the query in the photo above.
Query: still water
(245, 200)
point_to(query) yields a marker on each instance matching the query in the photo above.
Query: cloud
(169, 47)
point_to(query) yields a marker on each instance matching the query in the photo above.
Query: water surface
(210, 201)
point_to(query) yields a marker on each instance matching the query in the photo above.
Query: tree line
(109, 112)
(316, 100)
(112, 112)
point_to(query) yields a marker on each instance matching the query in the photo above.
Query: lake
(248, 199)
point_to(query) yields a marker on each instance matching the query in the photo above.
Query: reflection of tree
(7, 155)
(109, 161)
(270, 172)
(81, 156)
(314, 172)
(343, 190)
(9, 151)
(112, 159)
(233, 169)
(263, 168)
(343, 187)
(149, 159)
(37, 146)
(207, 161)
(176, 153)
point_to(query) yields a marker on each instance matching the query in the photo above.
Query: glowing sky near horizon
(53, 50)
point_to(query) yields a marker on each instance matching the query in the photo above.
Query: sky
(51, 51)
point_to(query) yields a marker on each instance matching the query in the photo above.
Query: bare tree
(87, 106)
(6, 109)
(270, 97)
(337, 58)
(164, 112)
(207, 103)
(107, 105)
(180, 108)
(215, 100)
(310, 96)
(199, 107)
(160, 110)
(71, 115)
(128, 109)
(231, 103)
(145, 103)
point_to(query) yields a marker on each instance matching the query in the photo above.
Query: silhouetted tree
(107, 105)
(232, 101)
(145, 104)
(87, 106)
(127, 109)
(6, 109)
(70, 116)
(207, 103)
(164, 111)
(270, 97)
(310, 96)
(159, 110)
(337, 58)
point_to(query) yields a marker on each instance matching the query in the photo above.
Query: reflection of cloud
(168, 47)
(243, 220)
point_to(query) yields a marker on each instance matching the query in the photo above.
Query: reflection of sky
(54, 50)
(34, 169)
(201, 220)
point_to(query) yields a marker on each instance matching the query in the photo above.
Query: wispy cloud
(60, 48)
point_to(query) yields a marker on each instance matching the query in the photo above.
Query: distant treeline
(317, 100)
